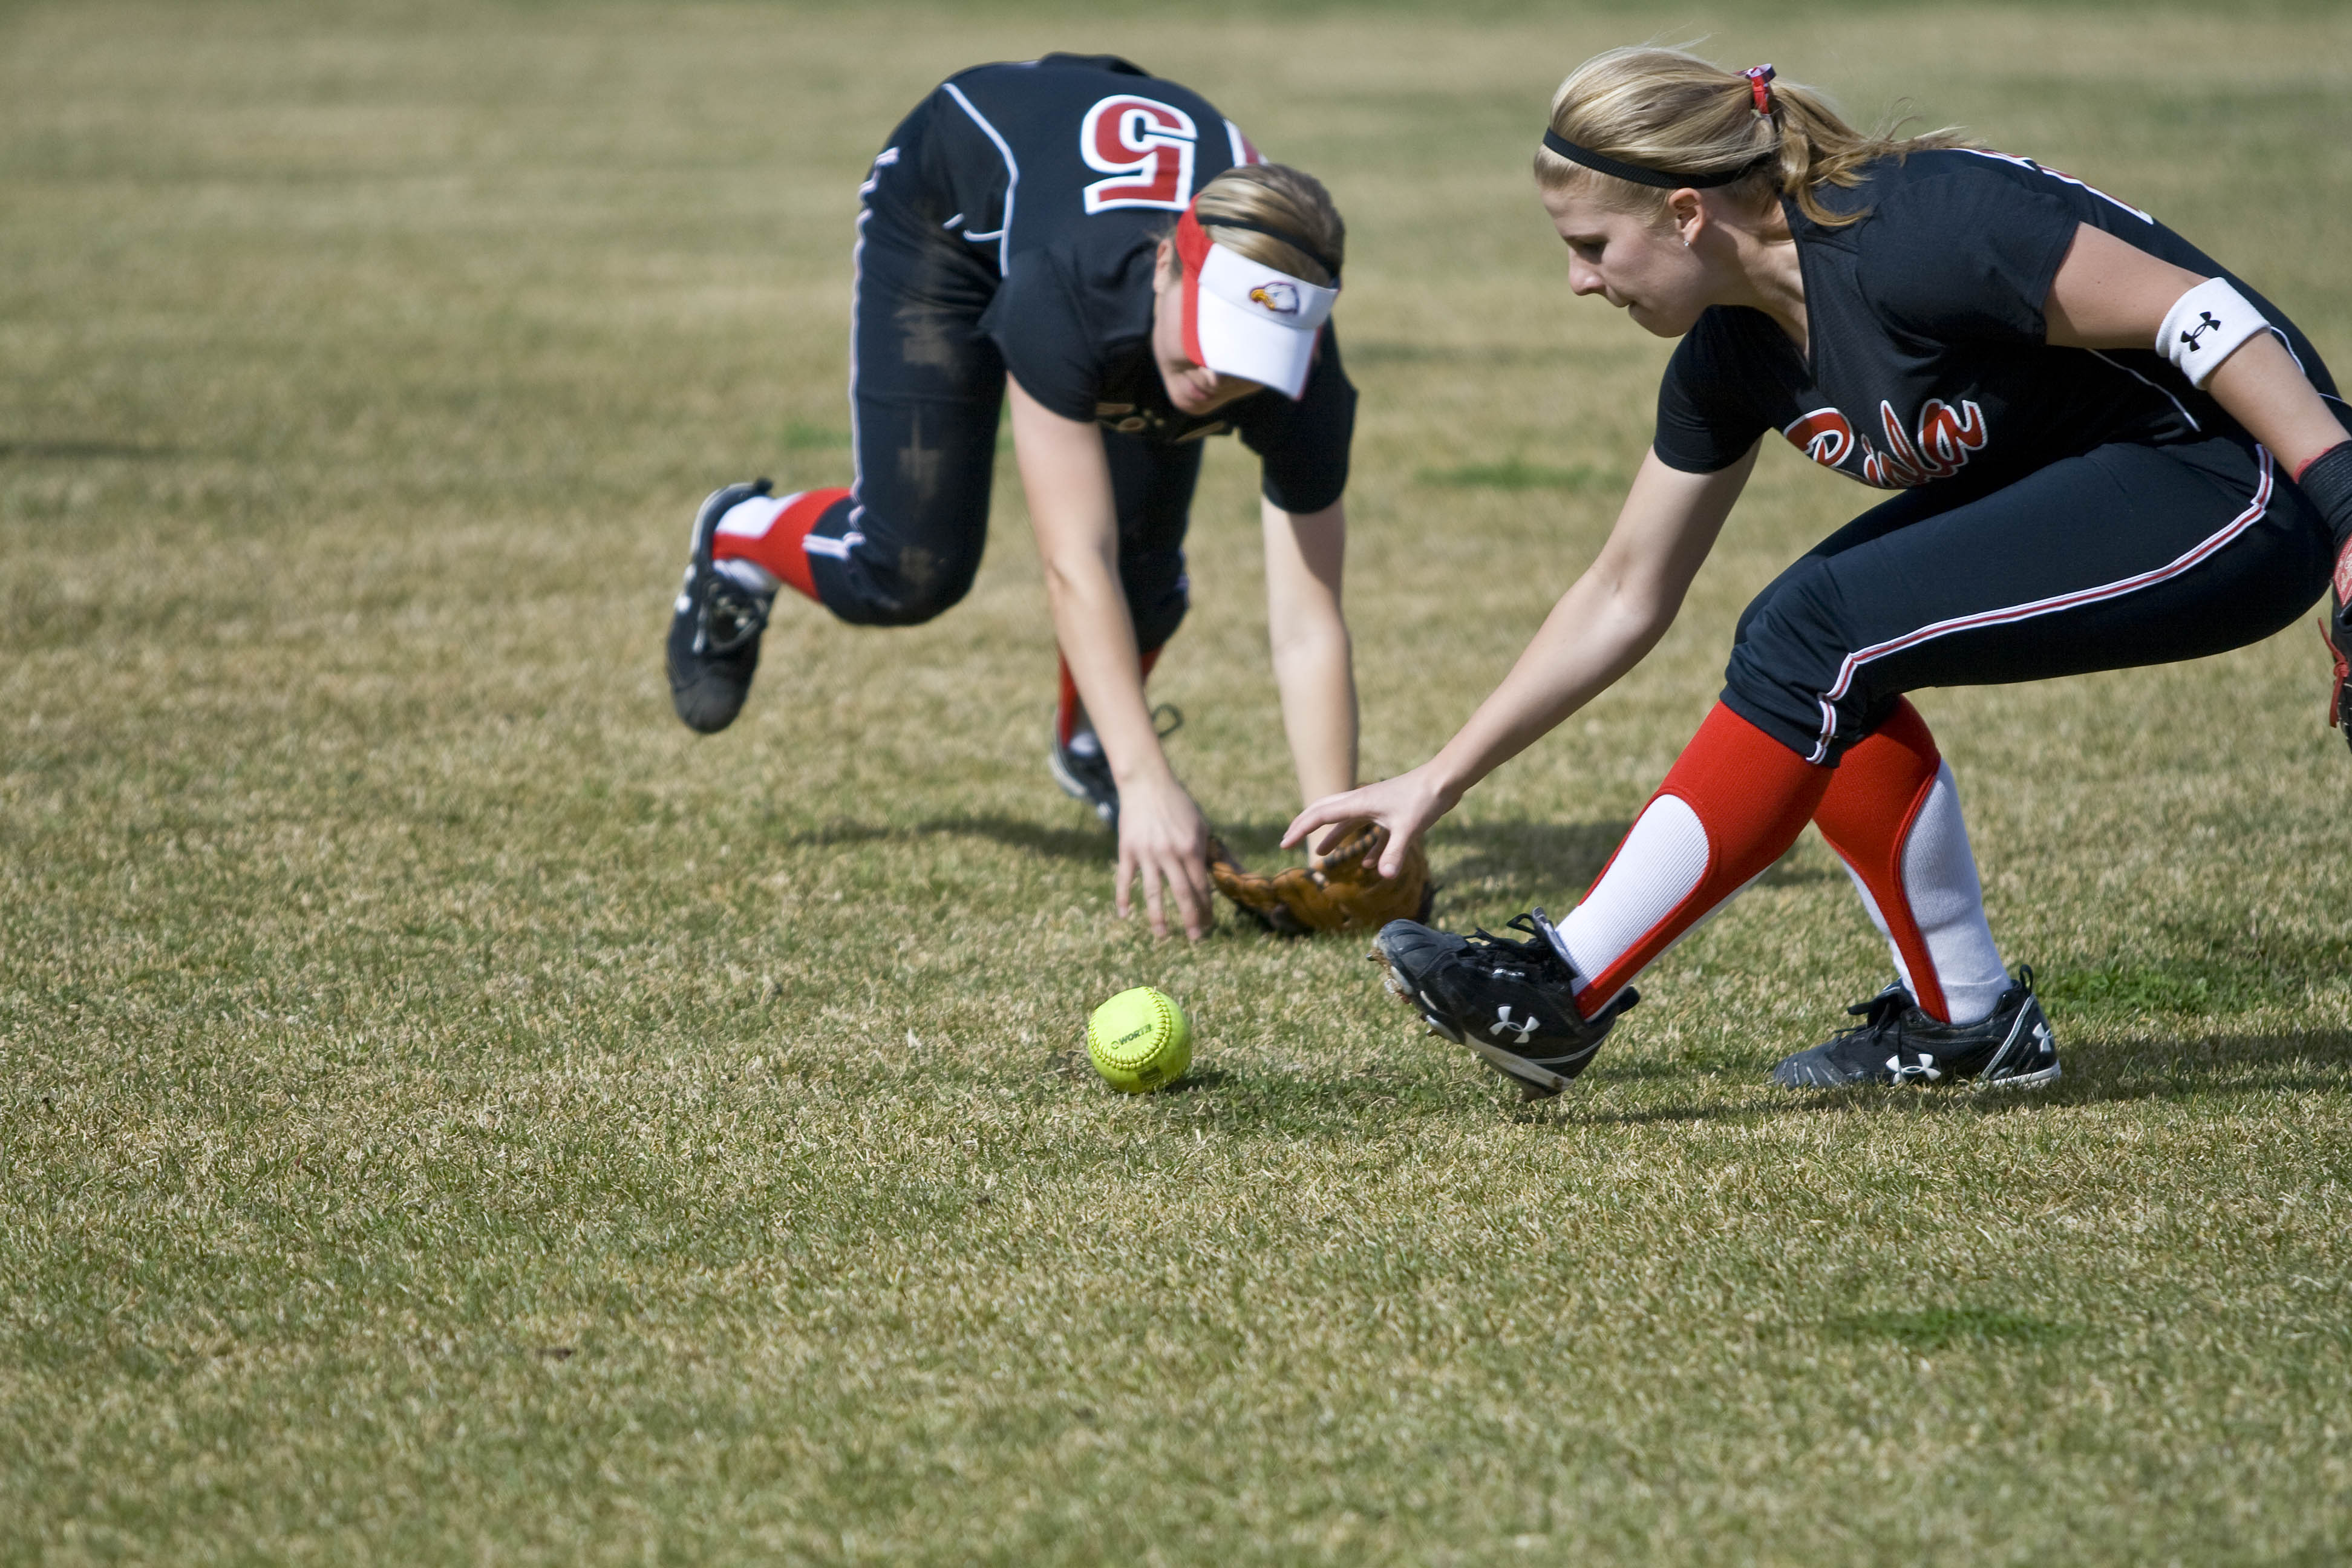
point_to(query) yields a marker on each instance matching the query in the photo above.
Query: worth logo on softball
(1282, 298)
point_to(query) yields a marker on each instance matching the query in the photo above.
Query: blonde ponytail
(1757, 137)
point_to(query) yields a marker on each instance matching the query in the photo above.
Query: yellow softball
(1139, 1041)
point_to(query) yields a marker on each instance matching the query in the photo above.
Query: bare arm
(2111, 295)
(1161, 838)
(1609, 618)
(1314, 662)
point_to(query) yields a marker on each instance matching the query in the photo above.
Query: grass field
(447, 1113)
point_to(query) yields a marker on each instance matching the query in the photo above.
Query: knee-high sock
(1893, 815)
(1732, 804)
(771, 534)
(1069, 713)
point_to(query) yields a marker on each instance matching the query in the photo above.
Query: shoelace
(1883, 1015)
(731, 615)
(1534, 953)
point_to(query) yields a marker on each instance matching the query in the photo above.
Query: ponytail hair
(1668, 110)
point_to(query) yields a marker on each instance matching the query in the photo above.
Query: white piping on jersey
(1003, 237)
(953, 221)
(2144, 381)
(2039, 169)
(2081, 596)
(882, 160)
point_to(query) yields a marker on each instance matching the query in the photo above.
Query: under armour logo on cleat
(1503, 1013)
(1925, 1067)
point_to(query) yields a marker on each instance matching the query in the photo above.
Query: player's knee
(1790, 638)
(1805, 592)
(909, 586)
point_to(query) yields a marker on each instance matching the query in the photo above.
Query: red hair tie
(1760, 88)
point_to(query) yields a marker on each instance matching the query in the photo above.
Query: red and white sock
(1733, 803)
(768, 535)
(1893, 814)
(1070, 714)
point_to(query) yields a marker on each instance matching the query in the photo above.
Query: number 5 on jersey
(1146, 147)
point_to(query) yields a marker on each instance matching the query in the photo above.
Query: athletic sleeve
(1303, 445)
(1966, 255)
(1705, 421)
(1038, 325)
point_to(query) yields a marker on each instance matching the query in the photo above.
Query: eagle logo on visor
(1282, 298)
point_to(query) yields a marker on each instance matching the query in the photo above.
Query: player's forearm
(2263, 389)
(1315, 675)
(1097, 641)
(1314, 661)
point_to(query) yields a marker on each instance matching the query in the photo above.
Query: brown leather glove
(1334, 892)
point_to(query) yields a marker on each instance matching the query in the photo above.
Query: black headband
(1289, 239)
(1663, 179)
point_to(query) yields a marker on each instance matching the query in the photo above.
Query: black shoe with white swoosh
(1897, 1042)
(1513, 1003)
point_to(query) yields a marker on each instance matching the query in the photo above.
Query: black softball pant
(926, 391)
(2125, 555)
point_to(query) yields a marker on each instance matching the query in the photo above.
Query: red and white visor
(1244, 317)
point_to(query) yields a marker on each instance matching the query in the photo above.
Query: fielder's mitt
(1334, 892)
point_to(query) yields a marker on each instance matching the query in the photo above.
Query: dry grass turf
(447, 1113)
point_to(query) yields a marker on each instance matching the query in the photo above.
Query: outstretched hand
(1163, 841)
(1406, 805)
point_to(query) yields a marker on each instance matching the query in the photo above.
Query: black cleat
(1898, 1042)
(714, 632)
(1511, 1001)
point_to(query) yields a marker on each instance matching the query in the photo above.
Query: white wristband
(2206, 326)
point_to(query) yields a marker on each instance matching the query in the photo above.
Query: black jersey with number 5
(1928, 359)
(1064, 172)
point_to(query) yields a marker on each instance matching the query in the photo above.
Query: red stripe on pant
(783, 549)
(1753, 796)
(1882, 785)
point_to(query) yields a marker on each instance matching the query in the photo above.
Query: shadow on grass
(1539, 854)
(1505, 859)
(1074, 842)
(2098, 1072)
(1939, 1327)
(81, 451)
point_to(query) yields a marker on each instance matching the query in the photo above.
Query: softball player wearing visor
(1106, 252)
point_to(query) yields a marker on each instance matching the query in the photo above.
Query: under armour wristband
(2206, 326)
(2325, 482)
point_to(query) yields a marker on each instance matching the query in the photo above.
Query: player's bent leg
(1892, 813)
(1732, 804)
